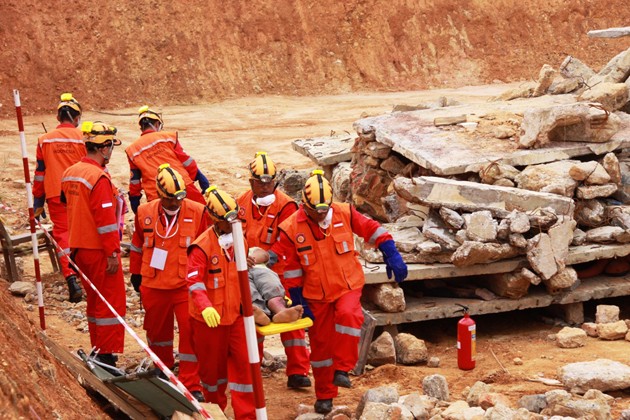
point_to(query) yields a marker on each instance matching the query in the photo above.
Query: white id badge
(158, 260)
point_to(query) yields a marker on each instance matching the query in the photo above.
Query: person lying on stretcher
(268, 297)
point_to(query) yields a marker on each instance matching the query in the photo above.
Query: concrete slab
(452, 150)
(609, 33)
(325, 151)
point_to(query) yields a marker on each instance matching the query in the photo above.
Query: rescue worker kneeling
(218, 332)
(164, 228)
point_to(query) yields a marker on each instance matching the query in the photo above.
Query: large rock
(471, 253)
(565, 279)
(382, 394)
(388, 297)
(480, 226)
(606, 313)
(612, 96)
(571, 338)
(602, 374)
(410, 350)
(436, 387)
(541, 256)
(382, 351)
(615, 71)
(572, 67)
(573, 122)
(550, 177)
(341, 182)
(612, 330)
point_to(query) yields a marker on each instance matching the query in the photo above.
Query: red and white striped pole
(248, 319)
(158, 362)
(31, 213)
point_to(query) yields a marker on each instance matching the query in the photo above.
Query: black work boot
(74, 290)
(341, 379)
(198, 396)
(323, 406)
(298, 381)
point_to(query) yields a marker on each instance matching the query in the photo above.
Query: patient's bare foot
(260, 318)
(289, 314)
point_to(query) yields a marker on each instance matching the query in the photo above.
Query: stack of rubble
(528, 175)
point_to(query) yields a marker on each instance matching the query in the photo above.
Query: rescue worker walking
(153, 148)
(318, 244)
(262, 209)
(164, 228)
(93, 217)
(218, 331)
(57, 150)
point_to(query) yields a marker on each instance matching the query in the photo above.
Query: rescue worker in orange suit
(164, 228)
(153, 148)
(318, 244)
(94, 209)
(57, 150)
(218, 332)
(262, 209)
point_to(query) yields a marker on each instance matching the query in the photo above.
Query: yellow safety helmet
(170, 183)
(220, 204)
(66, 99)
(317, 193)
(262, 167)
(145, 112)
(98, 132)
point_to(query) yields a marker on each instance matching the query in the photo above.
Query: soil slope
(126, 53)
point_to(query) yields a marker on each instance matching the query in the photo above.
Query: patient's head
(259, 255)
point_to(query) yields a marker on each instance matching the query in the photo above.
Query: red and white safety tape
(171, 376)
(7, 208)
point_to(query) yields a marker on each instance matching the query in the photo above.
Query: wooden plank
(367, 332)
(609, 33)
(119, 399)
(429, 308)
(375, 273)
(454, 150)
(325, 151)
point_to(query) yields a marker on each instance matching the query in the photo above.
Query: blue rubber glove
(134, 202)
(393, 261)
(38, 207)
(203, 181)
(297, 299)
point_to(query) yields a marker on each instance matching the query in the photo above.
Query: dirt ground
(223, 137)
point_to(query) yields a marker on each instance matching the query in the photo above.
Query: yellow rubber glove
(211, 316)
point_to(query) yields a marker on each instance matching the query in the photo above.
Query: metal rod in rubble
(158, 362)
(31, 213)
(248, 319)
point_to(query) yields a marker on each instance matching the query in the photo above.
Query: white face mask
(266, 200)
(326, 222)
(171, 212)
(226, 240)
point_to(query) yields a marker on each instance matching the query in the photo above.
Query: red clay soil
(125, 53)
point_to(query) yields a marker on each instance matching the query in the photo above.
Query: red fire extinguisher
(466, 341)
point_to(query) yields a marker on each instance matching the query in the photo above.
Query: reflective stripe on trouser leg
(297, 352)
(240, 375)
(188, 364)
(212, 360)
(59, 217)
(106, 333)
(159, 322)
(214, 365)
(348, 321)
(322, 343)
